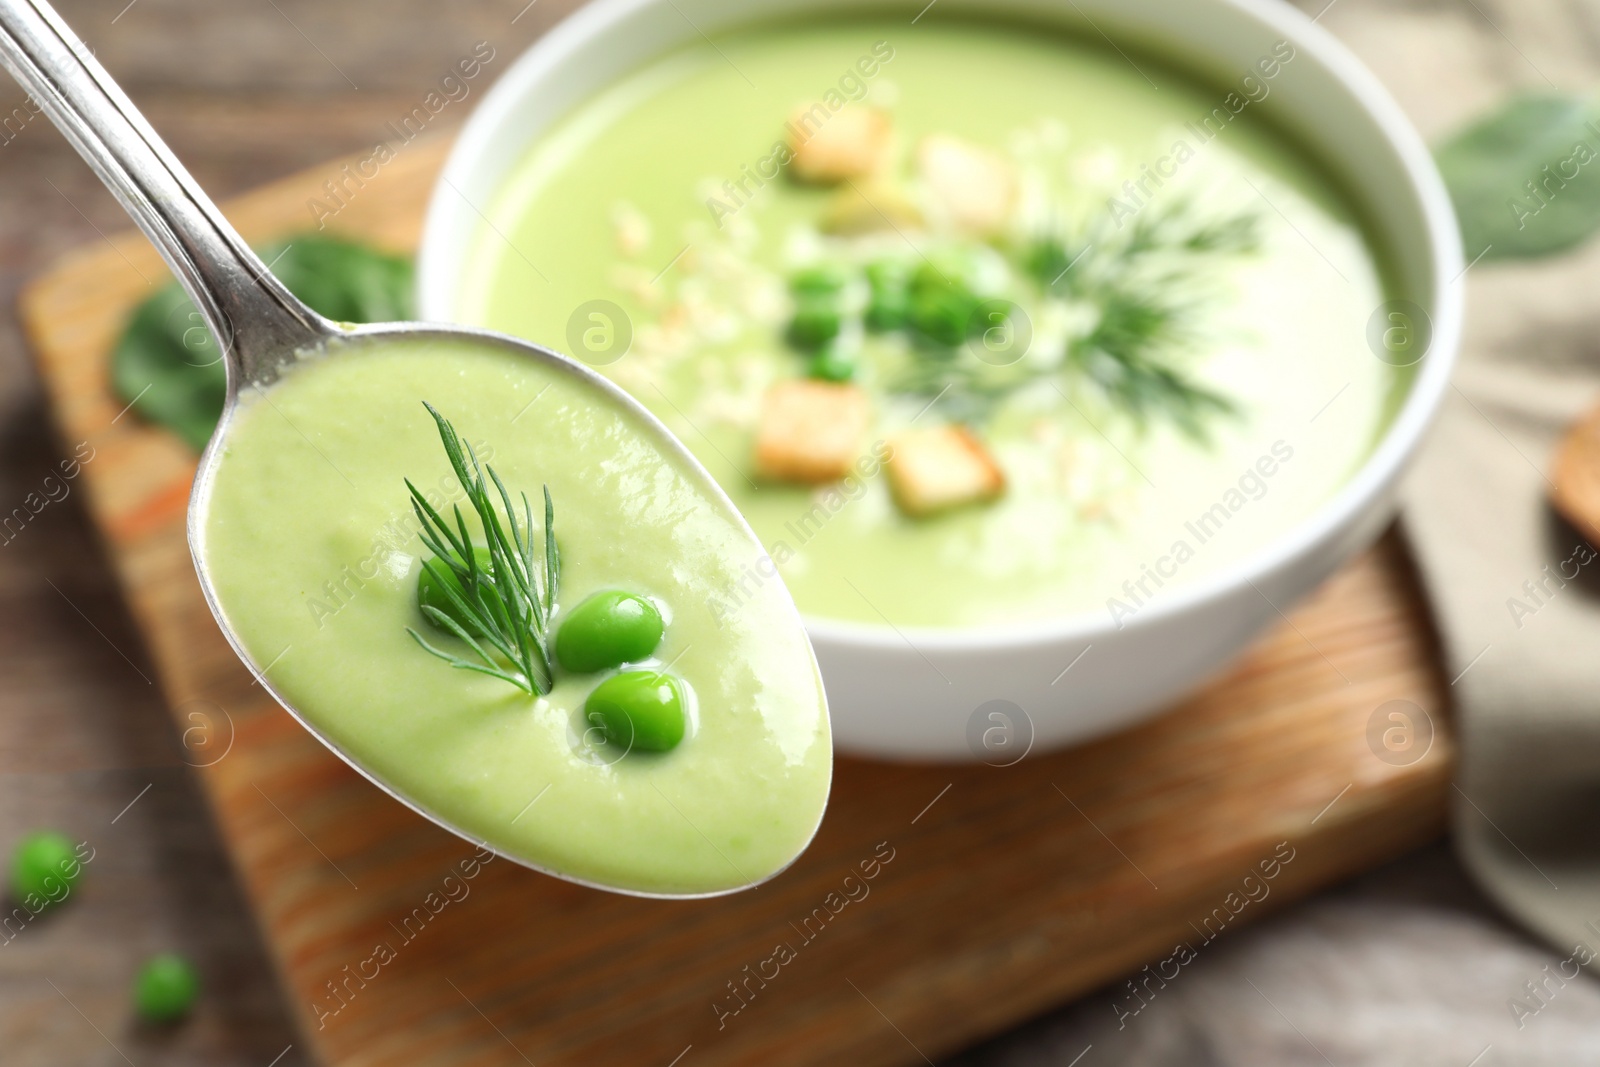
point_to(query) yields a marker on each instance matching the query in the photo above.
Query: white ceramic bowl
(994, 693)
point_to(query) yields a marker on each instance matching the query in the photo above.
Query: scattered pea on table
(165, 988)
(44, 866)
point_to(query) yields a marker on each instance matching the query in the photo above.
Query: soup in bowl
(1050, 350)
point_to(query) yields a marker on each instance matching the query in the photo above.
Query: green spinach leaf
(1525, 178)
(170, 370)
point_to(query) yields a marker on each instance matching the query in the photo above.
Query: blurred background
(1404, 965)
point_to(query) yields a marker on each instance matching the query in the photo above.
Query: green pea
(823, 279)
(944, 312)
(431, 593)
(641, 710)
(165, 988)
(888, 304)
(888, 274)
(44, 866)
(943, 268)
(608, 630)
(834, 363)
(888, 313)
(816, 321)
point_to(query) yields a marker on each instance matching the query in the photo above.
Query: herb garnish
(505, 604)
(1146, 285)
(1128, 354)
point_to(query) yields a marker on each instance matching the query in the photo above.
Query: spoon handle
(257, 322)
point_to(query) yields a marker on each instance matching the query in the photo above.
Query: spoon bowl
(347, 342)
(266, 333)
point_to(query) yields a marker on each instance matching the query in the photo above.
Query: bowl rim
(1363, 490)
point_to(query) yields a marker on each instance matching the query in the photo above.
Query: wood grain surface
(1008, 891)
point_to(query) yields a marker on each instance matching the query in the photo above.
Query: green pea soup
(662, 198)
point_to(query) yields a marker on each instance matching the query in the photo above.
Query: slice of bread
(810, 431)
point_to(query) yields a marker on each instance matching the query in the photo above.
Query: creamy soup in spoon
(670, 751)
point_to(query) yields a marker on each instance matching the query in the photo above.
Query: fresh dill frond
(1149, 282)
(961, 387)
(510, 604)
(1181, 225)
(1049, 259)
(1146, 287)
(1130, 354)
(1232, 235)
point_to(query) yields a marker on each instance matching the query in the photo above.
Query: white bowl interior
(884, 700)
(1325, 101)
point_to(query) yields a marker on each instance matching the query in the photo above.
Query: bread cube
(870, 208)
(976, 186)
(940, 468)
(828, 148)
(810, 431)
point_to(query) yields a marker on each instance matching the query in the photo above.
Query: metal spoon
(261, 328)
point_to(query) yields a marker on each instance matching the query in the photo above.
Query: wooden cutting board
(994, 893)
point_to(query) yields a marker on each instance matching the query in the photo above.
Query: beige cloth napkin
(1526, 686)
(1516, 593)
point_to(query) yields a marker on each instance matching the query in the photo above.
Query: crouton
(976, 186)
(632, 230)
(936, 469)
(810, 431)
(851, 143)
(870, 208)
(1576, 476)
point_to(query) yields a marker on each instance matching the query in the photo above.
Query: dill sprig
(1150, 284)
(1130, 354)
(961, 388)
(508, 605)
(1181, 224)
